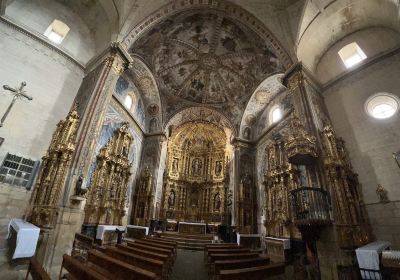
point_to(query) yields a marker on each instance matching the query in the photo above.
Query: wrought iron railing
(311, 207)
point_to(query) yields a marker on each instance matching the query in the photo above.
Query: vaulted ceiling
(206, 58)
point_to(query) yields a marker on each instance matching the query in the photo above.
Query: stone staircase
(194, 242)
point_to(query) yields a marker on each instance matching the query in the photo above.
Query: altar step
(189, 241)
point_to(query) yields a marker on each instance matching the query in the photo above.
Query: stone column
(93, 97)
(150, 159)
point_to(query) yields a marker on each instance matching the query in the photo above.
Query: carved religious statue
(217, 202)
(382, 194)
(171, 199)
(218, 168)
(196, 166)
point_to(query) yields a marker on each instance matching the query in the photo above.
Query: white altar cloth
(285, 241)
(101, 229)
(27, 238)
(141, 227)
(238, 235)
(368, 257)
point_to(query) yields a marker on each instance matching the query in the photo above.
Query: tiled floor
(189, 265)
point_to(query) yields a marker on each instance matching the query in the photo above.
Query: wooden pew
(156, 266)
(82, 244)
(77, 270)
(164, 258)
(220, 257)
(36, 271)
(259, 273)
(161, 240)
(220, 246)
(225, 251)
(236, 264)
(151, 248)
(158, 245)
(115, 269)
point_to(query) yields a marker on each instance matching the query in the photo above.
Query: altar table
(197, 228)
(26, 240)
(368, 259)
(136, 232)
(102, 229)
(278, 249)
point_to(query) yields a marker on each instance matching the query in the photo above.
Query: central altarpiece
(194, 183)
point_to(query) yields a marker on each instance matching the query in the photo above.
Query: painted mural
(125, 88)
(206, 58)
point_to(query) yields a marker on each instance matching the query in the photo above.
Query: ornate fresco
(206, 58)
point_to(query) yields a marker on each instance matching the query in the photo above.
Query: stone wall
(52, 80)
(371, 142)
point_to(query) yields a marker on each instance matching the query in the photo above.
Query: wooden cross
(18, 93)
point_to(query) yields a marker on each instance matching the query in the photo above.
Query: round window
(382, 105)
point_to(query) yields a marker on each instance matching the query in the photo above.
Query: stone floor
(189, 265)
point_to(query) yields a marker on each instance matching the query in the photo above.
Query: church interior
(199, 139)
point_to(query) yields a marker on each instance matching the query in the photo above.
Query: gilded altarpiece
(49, 188)
(194, 183)
(143, 199)
(108, 189)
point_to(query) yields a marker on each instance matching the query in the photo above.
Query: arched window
(382, 105)
(57, 31)
(351, 55)
(275, 114)
(128, 102)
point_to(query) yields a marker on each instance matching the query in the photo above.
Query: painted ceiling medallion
(204, 57)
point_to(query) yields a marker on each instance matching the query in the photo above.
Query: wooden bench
(259, 273)
(77, 270)
(36, 271)
(161, 240)
(164, 258)
(156, 266)
(220, 257)
(225, 251)
(158, 245)
(151, 248)
(236, 264)
(115, 269)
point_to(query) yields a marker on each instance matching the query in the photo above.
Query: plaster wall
(52, 81)
(371, 142)
(37, 15)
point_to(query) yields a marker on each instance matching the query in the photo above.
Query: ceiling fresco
(204, 58)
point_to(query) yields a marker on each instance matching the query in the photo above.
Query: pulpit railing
(311, 207)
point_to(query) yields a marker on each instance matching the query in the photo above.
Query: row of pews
(144, 259)
(235, 262)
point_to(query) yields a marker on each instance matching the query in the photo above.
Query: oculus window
(351, 55)
(382, 105)
(57, 31)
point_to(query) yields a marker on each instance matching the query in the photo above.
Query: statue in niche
(196, 166)
(218, 168)
(141, 210)
(247, 133)
(217, 202)
(175, 165)
(79, 191)
(153, 125)
(171, 199)
(382, 194)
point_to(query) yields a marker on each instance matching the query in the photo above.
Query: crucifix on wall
(18, 93)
